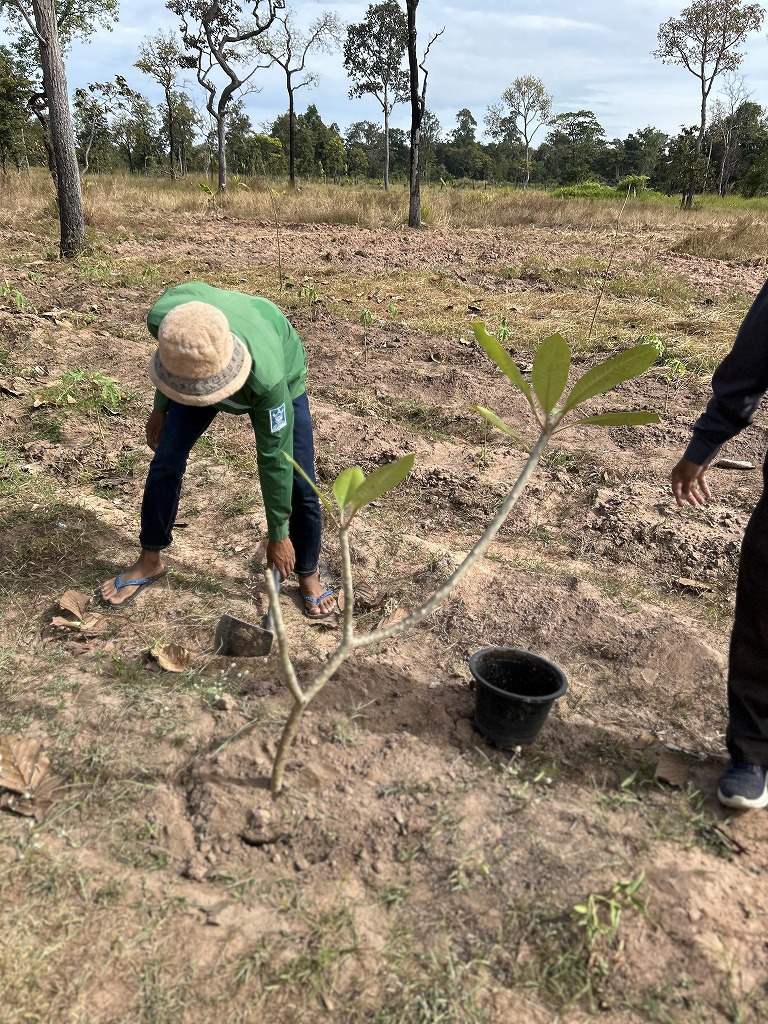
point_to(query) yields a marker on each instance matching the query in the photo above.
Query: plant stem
(458, 574)
(608, 265)
(350, 642)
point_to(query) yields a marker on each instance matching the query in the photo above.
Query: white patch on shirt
(277, 418)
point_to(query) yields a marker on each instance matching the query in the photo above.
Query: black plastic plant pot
(514, 693)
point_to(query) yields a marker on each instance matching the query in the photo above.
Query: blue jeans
(184, 424)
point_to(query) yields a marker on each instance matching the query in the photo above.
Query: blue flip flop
(121, 584)
(318, 616)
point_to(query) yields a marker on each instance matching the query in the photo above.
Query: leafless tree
(724, 121)
(218, 39)
(289, 48)
(418, 90)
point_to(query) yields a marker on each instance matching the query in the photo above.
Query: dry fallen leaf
(171, 657)
(22, 766)
(694, 584)
(75, 601)
(393, 617)
(94, 623)
(91, 625)
(26, 783)
(672, 768)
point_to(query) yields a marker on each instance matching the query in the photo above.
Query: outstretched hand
(689, 483)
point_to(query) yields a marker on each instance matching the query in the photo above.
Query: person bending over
(224, 351)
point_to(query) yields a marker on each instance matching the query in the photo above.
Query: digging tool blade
(236, 638)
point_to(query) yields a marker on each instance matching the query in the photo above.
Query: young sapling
(551, 412)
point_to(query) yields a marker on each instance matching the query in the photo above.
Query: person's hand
(689, 483)
(280, 555)
(154, 428)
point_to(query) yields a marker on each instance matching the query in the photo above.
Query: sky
(595, 56)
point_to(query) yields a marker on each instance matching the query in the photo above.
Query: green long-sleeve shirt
(278, 375)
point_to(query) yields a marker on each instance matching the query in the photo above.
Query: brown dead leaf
(27, 785)
(694, 584)
(94, 623)
(36, 806)
(22, 763)
(672, 768)
(393, 617)
(75, 601)
(171, 657)
(59, 620)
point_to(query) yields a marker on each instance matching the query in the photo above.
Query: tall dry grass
(728, 230)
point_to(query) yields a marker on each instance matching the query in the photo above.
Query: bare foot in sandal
(123, 588)
(319, 600)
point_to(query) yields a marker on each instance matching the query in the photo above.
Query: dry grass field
(411, 873)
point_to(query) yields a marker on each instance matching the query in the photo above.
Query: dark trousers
(747, 734)
(184, 424)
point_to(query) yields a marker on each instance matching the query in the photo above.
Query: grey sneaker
(743, 785)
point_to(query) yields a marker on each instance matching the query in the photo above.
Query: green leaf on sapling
(499, 423)
(550, 371)
(345, 485)
(326, 504)
(503, 360)
(381, 480)
(613, 371)
(620, 419)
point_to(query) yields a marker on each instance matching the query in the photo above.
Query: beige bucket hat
(198, 361)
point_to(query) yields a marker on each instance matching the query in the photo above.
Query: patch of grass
(434, 988)
(46, 426)
(742, 240)
(88, 391)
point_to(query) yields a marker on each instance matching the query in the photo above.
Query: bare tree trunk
(291, 137)
(221, 139)
(417, 113)
(687, 202)
(171, 132)
(386, 143)
(70, 199)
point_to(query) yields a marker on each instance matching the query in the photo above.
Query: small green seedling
(600, 915)
(87, 391)
(12, 296)
(366, 319)
(503, 331)
(308, 294)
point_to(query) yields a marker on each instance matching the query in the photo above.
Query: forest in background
(117, 128)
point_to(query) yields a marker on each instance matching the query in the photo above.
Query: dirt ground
(412, 871)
